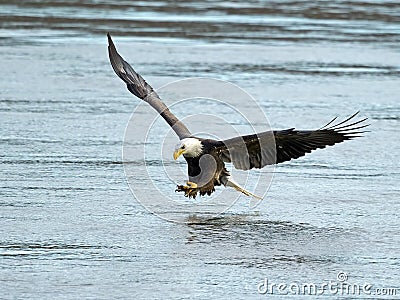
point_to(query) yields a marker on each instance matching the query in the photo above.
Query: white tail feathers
(230, 182)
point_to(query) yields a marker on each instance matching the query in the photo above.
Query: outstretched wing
(141, 89)
(273, 147)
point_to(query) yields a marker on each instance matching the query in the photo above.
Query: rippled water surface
(70, 227)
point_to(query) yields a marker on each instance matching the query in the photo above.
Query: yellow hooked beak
(178, 153)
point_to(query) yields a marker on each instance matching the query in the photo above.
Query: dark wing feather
(273, 147)
(141, 89)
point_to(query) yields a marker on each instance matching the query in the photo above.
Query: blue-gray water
(70, 227)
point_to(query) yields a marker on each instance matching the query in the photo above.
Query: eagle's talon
(189, 190)
(181, 188)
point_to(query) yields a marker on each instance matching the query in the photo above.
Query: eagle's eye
(183, 147)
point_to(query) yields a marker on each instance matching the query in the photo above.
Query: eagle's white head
(190, 147)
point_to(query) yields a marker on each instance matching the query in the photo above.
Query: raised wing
(273, 147)
(141, 89)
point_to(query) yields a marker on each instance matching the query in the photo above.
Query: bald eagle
(206, 158)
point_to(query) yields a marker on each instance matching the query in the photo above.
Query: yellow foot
(190, 189)
(191, 184)
(247, 193)
(237, 187)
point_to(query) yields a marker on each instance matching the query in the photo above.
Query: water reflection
(252, 241)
